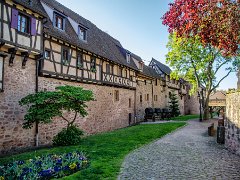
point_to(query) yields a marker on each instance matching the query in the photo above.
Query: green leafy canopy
(43, 106)
(196, 63)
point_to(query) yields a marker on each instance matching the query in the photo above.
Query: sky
(136, 24)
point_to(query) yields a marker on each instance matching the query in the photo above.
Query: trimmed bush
(68, 136)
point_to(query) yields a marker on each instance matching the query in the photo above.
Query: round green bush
(68, 136)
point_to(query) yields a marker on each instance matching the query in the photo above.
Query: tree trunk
(206, 107)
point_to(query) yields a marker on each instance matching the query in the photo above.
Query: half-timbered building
(44, 45)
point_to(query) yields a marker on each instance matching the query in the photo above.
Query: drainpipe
(38, 59)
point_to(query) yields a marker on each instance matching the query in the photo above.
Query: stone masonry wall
(142, 91)
(104, 114)
(18, 83)
(232, 122)
(191, 104)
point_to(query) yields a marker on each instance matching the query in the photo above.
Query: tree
(198, 64)
(215, 22)
(174, 104)
(44, 106)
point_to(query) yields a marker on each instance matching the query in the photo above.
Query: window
(65, 56)
(131, 78)
(128, 57)
(47, 54)
(126, 73)
(80, 60)
(82, 34)
(156, 82)
(155, 97)
(145, 82)
(140, 98)
(146, 97)
(23, 23)
(120, 71)
(116, 95)
(108, 68)
(129, 102)
(59, 21)
(93, 63)
(140, 65)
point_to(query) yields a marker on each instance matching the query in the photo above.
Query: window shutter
(14, 19)
(33, 27)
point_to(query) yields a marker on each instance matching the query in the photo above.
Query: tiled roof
(98, 42)
(162, 67)
(35, 5)
(150, 72)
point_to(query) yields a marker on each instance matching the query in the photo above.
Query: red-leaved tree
(216, 22)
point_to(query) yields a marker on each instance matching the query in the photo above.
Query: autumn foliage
(216, 22)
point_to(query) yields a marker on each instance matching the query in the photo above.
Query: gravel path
(188, 153)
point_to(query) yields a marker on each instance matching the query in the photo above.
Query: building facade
(44, 45)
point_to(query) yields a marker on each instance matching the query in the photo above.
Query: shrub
(45, 167)
(68, 136)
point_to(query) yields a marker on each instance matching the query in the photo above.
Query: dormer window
(128, 57)
(140, 65)
(59, 21)
(82, 34)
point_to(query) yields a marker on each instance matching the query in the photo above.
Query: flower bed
(44, 167)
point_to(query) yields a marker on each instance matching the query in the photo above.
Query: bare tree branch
(214, 87)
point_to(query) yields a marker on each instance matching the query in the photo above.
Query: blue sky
(136, 24)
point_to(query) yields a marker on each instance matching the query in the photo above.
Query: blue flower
(78, 166)
(27, 170)
(66, 168)
(20, 162)
(57, 168)
(59, 161)
(45, 173)
(68, 154)
(38, 163)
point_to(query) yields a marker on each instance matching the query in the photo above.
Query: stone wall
(156, 97)
(18, 83)
(232, 122)
(104, 114)
(191, 104)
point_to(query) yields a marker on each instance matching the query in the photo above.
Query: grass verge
(106, 151)
(186, 117)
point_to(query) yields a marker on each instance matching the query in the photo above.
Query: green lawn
(186, 117)
(106, 151)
